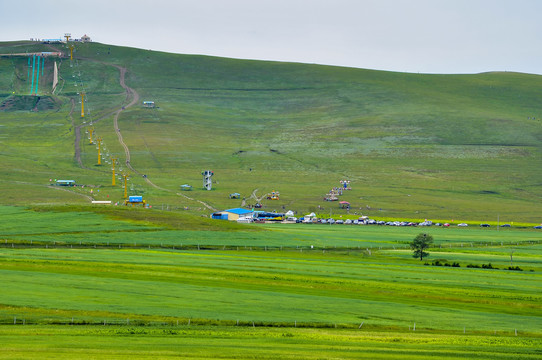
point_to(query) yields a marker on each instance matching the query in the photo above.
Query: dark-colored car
(485, 225)
(538, 227)
(505, 225)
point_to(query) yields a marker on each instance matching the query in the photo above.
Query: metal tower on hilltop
(207, 181)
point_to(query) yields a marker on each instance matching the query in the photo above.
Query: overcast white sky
(428, 36)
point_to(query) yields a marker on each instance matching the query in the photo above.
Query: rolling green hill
(412, 145)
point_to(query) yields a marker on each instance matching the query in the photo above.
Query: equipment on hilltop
(235, 196)
(207, 181)
(99, 147)
(125, 176)
(345, 184)
(82, 104)
(273, 195)
(333, 195)
(35, 79)
(113, 162)
(135, 200)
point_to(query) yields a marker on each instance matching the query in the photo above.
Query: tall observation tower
(207, 181)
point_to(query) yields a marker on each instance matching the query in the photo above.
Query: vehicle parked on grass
(538, 227)
(506, 225)
(485, 225)
(463, 225)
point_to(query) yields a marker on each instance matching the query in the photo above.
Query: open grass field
(115, 282)
(268, 287)
(414, 146)
(262, 291)
(269, 343)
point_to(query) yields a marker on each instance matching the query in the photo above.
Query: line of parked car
(367, 221)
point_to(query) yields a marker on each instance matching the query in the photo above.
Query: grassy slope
(446, 146)
(460, 147)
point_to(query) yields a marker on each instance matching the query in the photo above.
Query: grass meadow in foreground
(189, 342)
(264, 291)
(269, 287)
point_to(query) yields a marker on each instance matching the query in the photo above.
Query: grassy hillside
(413, 145)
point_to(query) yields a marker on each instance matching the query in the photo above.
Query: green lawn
(113, 342)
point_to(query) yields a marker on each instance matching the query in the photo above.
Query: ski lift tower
(207, 181)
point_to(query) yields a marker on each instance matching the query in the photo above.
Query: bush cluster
(483, 266)
(443, 263)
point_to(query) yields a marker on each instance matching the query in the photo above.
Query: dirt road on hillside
(132, 98)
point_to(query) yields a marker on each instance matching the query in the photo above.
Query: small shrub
(488, 266)
(516, 268)
(456, 264)
(476, 266)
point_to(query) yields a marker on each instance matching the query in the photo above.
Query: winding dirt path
(132, 98)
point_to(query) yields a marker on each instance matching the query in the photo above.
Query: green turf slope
(413, 145)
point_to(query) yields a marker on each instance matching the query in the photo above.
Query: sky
(419, 36)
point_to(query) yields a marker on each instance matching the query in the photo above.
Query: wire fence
(183, 322)
(403, 245)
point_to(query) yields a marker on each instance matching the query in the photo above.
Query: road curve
(132, 98)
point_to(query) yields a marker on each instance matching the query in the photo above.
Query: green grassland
(113, 282)
(413, 145)
(69, 270)
(269, 343)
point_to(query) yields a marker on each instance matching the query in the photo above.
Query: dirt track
(132, 98)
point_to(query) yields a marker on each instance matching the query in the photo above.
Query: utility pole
(82, 104)
(113, 160)
(90, 131)
(125, 176)
(99, 142)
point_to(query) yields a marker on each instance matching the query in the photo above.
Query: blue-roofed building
(233, 214)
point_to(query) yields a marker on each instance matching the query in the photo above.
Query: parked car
(538, 227)
(505, 225)
(485, 225)
(463, 225)
(348, 221)
(339, 222)
(355, 222)
(446, 224)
